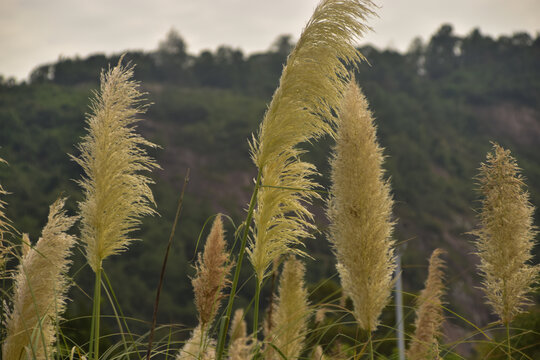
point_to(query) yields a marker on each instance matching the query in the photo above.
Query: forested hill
(437, 107)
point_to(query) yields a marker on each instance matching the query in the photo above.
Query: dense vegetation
(437, 107)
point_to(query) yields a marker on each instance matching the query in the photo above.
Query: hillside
(437, 107)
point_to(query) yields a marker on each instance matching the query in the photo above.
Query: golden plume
(429, 314)
(360, 211)
(289, 322)
(212, 271)
(117, 195)
(505, 235)
(310, 87)
(40, 288)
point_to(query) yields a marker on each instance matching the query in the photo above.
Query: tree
(441, 52)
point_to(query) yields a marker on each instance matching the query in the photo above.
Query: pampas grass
(360, 211)
(40, 288)
(313, 88)
(117, 195)
(239, 345)
(199, 347)
(505, 237)
(213, 269)
(429, 314)
(311, 85)
(290, 315)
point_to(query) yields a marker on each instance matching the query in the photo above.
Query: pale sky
(34, 32)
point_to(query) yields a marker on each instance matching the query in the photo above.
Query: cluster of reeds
(315, 86)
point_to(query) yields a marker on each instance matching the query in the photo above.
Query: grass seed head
(40, 289)
(360, 212)
(311, 86)
(429, 314)
(505, 236)
(113, 158)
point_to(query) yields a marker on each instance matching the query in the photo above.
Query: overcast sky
(33, 32)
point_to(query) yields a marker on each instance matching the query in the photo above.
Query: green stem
(370, 340)
(97, 313)
(256, 311)
(225, 322)
(508, 340)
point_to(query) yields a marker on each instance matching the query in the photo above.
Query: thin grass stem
(164, 265)
(226, 319)
(96, 316)
(116, 305)
(370, 341)
(256, 310)
(508, 340)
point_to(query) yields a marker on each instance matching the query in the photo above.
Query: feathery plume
(429, 315)
(301, 110)
(360, 210)
(40, 291)
(112, 157)
(239, 346)
(289, 322)
(212, 272)
(198, 347)
(505, 237)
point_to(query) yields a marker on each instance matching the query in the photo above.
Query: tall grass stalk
(164, 265)
(311, 85)
(224, 326)
(117, 195)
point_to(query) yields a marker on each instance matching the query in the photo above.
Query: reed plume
(505, 237)
(360, 211)
(117, 195)
(198, 347)
(212, 274)
(289, 322)
(311, 86)
(239, 345)
(40, 288)
(429, 314)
